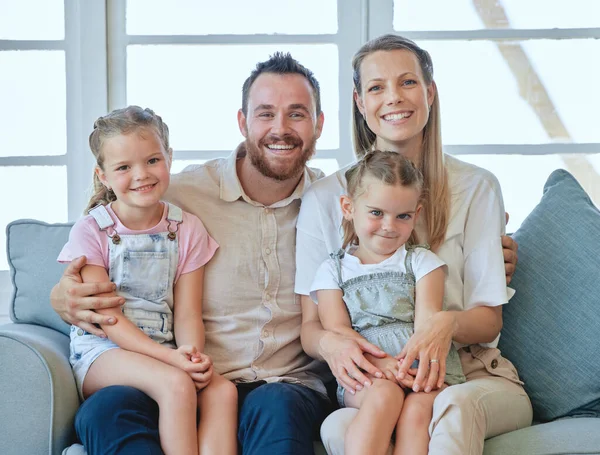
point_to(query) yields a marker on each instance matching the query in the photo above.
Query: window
(188, 60)
(516, 87)
(52, 87)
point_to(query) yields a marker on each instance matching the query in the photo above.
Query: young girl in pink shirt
(155, 254)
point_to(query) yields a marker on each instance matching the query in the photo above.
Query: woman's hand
(430, 345)
(345, 358)
(75, 301)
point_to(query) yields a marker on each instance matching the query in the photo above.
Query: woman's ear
(431, 90)
(359, 102)
(347, 207)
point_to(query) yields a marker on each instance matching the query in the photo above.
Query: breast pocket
(146, 274)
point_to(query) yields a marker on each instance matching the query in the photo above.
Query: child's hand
(199, 366)
(189, 359)
(388, 366)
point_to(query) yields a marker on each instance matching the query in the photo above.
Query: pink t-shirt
(196, 247)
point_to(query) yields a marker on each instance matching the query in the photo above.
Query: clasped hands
(197, 364)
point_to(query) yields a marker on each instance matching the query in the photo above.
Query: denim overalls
(382, 309)
(143, 268)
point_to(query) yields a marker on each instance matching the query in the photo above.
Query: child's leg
(379, 409)
(217, 431)
(412, 431)
(171, 388)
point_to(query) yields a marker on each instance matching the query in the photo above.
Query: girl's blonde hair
(436, 201)
(121, 121)
(389, 168)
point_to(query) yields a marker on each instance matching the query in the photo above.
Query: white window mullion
(117, 53)
(86, 71)
(351, 35)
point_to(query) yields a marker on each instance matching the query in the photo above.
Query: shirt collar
(231, 189)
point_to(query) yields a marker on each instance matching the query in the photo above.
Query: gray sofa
(38, 399)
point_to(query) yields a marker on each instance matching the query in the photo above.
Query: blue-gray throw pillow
(32, 248)
(552, 324)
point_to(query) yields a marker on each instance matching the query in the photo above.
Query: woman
(396, 108)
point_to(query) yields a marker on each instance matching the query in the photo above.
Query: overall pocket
(146, 274)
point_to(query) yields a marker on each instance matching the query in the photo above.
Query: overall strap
(174, 213)
(174, 216)
(102, 217)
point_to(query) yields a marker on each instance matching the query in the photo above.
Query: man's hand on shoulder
(75, 301)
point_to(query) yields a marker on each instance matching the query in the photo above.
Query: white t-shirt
(422, 261)
(472, 248)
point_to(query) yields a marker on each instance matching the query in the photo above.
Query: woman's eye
(375, 88)
(410, 82)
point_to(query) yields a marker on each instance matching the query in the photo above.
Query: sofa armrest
(38, 396)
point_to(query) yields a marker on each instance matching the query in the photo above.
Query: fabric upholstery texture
(32, 248)
(552, 324)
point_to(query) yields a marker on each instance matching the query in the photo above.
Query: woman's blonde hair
(389, 168)
(121, 121)
(436, 201)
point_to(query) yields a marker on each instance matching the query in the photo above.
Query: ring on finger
(434, 361)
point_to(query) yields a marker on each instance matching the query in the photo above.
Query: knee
(456, 399)
(416, 414)
(221, 389)
(178, 387)
(384, 393)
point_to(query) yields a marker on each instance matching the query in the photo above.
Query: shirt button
(267, 297)
(267, 211)
(80, 332)
(265, 333)
(268, 251)
(494, 363)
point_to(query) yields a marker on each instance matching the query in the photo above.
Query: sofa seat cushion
(565, 436)
(552, 324)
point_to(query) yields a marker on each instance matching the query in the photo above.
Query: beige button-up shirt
(251, 315)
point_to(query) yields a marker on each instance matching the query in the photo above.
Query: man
(249, 203)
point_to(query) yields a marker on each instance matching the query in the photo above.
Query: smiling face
(383, 216)
(395, 100)
(136, 167)
(281, 127)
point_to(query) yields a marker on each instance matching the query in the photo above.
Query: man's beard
(260, 162)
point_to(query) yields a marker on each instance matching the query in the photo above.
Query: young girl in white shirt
(384, 287)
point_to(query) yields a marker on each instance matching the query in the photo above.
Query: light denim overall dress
(143, 268)
(382, 309)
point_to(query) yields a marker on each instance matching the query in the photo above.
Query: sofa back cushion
(552, 324)
(32, 248)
